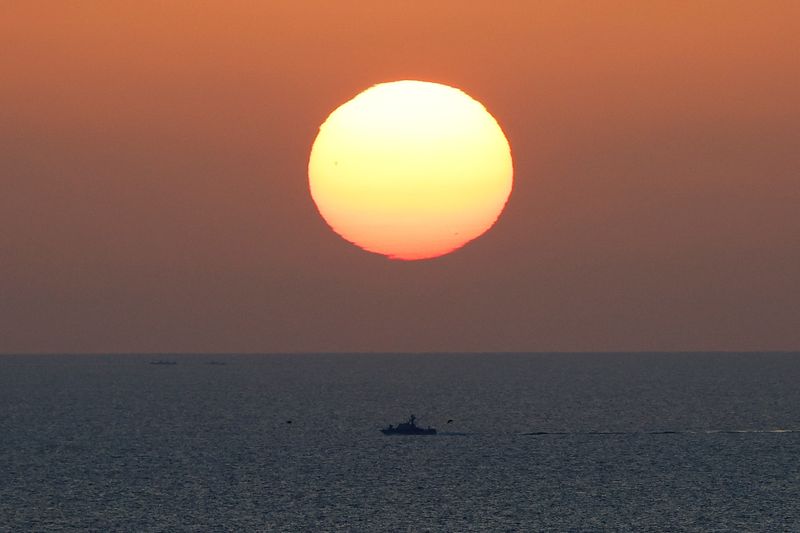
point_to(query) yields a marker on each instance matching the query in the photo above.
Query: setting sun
(410, 170)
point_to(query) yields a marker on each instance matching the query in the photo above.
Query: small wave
(663, 432)
(751, 431)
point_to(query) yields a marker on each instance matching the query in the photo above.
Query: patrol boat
(408, 427)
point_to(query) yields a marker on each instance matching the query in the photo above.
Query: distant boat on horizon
(163, 363)
(408, 427)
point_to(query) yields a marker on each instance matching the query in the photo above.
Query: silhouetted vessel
(408, 427)
(169, 363)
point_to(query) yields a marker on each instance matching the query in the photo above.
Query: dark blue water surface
(561, 442)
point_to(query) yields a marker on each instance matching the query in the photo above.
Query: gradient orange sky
(154, 197)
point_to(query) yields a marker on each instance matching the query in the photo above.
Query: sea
(526, 442)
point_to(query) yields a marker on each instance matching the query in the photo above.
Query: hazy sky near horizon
(154, 195)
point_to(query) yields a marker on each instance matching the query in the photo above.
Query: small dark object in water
(409, 427)
(217, 363)
(288, 421)
(450, 420)
(163, 363)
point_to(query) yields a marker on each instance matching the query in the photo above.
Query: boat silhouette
(409, 427)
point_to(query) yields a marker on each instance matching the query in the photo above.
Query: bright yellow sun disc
(410, 170)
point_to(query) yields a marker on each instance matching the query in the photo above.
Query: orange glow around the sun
(410, 170)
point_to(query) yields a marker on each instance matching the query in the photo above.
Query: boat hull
(418, 431)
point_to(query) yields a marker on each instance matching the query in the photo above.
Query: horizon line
(480, 352)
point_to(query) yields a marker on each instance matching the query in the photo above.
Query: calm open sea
(539, 442)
